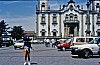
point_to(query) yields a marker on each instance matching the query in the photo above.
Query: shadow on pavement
(34, 63)
(86, 58)
(65, 50)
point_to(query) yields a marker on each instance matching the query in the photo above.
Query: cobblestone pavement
(44, 56)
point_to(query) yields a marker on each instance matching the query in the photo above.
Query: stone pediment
(71, 7)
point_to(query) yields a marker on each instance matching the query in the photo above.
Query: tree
(17, 32)
(3, 27)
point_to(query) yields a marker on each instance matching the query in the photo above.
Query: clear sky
(22, 12)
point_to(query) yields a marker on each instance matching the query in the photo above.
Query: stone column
(75, 31)
(68, 31)
(48, 24)
(37, 31)
(64, 31)
(82, 28)
(93, 32)
(59, 24)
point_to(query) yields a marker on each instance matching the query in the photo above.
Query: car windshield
(62, 41)
(19, 41)
(68, 40)
(65, 41)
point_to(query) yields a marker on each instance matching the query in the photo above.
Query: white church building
(69, 20)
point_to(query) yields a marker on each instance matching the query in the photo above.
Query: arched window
(66, 17)
(71, 16)
(43, 4)
(54, 18)
(75, 18)
(97, 7)
(43, 18)
(43, 32)
(54, 32)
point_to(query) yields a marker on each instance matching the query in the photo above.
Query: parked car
(89, 49)
(19, 44)
(6, 40)
(64, 44)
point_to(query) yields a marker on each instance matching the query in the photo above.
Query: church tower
(42, 5)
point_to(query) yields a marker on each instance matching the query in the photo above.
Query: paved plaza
(44, 56)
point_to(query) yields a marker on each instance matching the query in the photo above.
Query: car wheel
(14, 47)
(86, 53)
(63, 48)
(80, 55)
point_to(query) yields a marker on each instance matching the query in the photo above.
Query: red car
(64, 45)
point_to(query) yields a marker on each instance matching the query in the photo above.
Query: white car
(88, 49)
(19, 44)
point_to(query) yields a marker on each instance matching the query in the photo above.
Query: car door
(93, 45)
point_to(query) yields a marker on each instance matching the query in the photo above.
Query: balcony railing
(54, 23)
(71, 21)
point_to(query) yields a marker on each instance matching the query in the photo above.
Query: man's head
(26, 38)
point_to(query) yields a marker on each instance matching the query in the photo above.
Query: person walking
(27, 47)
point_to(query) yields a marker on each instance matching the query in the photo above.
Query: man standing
(27, 47)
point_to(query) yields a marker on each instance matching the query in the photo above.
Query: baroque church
(68, 20)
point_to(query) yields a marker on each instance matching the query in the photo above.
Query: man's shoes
(24, 63)
(29, 63)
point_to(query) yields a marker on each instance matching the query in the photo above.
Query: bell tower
(42, 5)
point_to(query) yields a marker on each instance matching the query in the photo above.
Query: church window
(43, 4)
(54, 19)
(97, 7)
(97, 3)
(54, 33)
(66, 17)
(98, 32)
(75, 17)
(71, 7)
(43, 18)
(98, 19)
(71, 18)
(43, 34)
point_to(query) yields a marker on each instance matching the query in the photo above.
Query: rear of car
(19, 44)
(64, 45)
(89, 49)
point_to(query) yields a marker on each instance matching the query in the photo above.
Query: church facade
(69, 20)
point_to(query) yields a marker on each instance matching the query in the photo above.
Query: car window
(93, 42)
(63, 41)
(19, 41)
(89, 39)
(80, 39)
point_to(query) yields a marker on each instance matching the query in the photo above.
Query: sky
(23, 12)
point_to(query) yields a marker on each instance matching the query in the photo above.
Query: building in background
(30, 33)
(69, 20)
